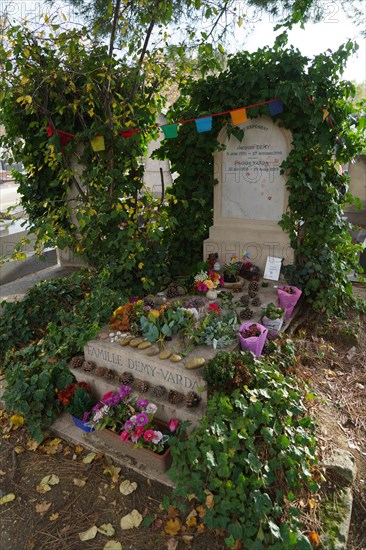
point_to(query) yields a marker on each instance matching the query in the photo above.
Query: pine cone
(77, 362)
(252, 293)
(126, 378)
(253, 286)
(159, 391)
(88, 366)
(172, 291)
(100, 371)
(245, 299)
(256, 301)
(246, 313)
(175, 397)
(142, 386)
(181, 290)
(110, 374)
(192, 399)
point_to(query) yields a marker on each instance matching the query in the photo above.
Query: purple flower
(134, 299)
(96, 407)
(85, 416)
(125, 390)
(129, 426)
(114, 400)
(142, 403)
(142, 419)
(151, 408)
(201, 287)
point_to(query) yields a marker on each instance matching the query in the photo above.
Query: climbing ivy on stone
(319, 234)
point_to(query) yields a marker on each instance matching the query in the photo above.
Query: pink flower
(139, 430)
(124, 435)
(157, 438)
(201, 287)
(173, 424)
(221, 281)
(149, 435)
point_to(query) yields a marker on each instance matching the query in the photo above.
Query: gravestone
(251, 194)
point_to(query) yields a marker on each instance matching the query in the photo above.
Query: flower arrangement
(288, 289)
(140, 429)
(207, 280)
(248, 270)
(112, 410)
(77, 398)
(252, 331)
(160, 324)
(272, 312)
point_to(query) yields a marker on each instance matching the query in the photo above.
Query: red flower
(214, 308)
(138, 432)
(107, 395)
(149, 435)
(124, 435)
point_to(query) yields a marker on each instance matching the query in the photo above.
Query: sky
(330, 33)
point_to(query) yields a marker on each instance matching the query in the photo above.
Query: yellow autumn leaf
(89, 534)
(55, 516)
(141, 265)
(131, 520)
(112, 545)
(88, 459)
(200, 528)
(19, 449)
(7, 498)
(79, 482)
(172, 527)
(191, 522)
(209, 501)
(32, 445)
(312, 503)
(91, 112)
(126, 487)
(43, 507)
(16, 421)
(78, 449)
(24, 80)
(107, 529)
(201, 511)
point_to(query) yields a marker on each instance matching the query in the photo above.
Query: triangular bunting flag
(170, 130)
(97, 144)
(275, 107)
(238, 116)
(64, 137)
(203, 124)
(325, 114)
(128, 133)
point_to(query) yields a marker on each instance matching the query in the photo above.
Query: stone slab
(336, 512)
(99, 442)
(343, 464)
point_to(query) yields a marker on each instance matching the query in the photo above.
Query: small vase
(212, 294)
(80, 424)
(273, 325)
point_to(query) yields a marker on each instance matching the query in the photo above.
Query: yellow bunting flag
(97, 144)
(239, 116)
(325, 114)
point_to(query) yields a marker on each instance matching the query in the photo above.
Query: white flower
(98, 415)
(151, 409)
(201, 276)
(157, 437)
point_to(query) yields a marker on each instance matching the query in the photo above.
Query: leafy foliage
(245, 462)
(318, 193)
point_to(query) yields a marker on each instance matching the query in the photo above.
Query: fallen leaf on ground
(127, 487)
(114, 471)
(89, 534)
(191, 522)
(88, 459)
(156, 524)
(187, 539)
(201, 510)
(79, 482)
(43, 507)
(131, 520)
(19, 449)
(200, 528)
(172, 544)
(106, 529)
(113, 545)
(16, 421)
(78, 449)
(172, 526)
(2, 473)
(314, 538)
(32, 445)
(173, 512)
(209, 501)
(55, 516)
(46, 483)
(191, 497)
(312, 503)
(7, 498)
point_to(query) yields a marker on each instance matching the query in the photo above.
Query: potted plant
(77, 398)
(272, 318)
(112, 410)
(231, 272)
(288, 296)
(146, 438)
(252, 337)
(248, 270)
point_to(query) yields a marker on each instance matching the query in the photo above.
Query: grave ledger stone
(251, 194)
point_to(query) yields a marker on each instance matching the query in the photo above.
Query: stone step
(102, 442)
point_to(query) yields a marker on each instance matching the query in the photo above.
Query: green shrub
(252, 452)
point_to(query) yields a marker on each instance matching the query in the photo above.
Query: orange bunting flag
(239, 116)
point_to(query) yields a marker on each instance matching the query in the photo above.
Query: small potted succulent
(272, 318)
(288, 296)
(252, 337)
(78, 400)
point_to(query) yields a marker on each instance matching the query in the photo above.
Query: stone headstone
(251, 194)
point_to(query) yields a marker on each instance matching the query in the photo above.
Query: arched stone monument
(251, 194)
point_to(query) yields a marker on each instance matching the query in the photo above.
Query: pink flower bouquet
(288, 296)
